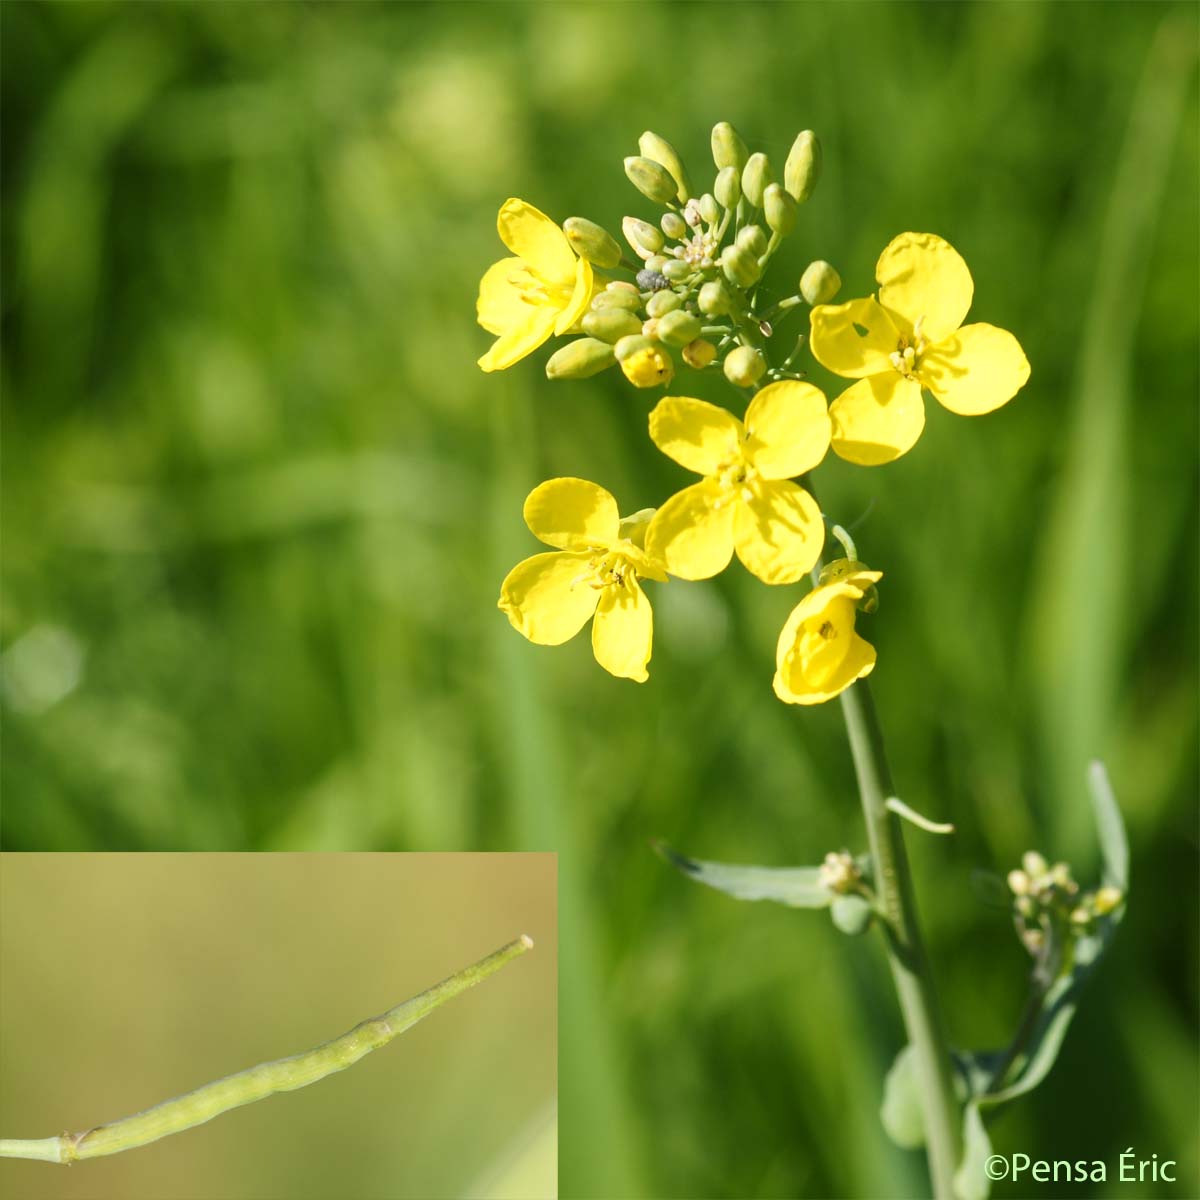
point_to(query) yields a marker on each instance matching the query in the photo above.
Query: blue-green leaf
(901, 1113)
(1114, 844)
(797, 887)
(971, 1180)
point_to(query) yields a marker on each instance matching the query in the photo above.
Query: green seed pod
(662, 303)
(674, 226)
(819, 283)
(678, 328)
(709, 209)
(851, 914)
(611, 324)
(578, 359)
(803, 166)
(728, 149)
(699, 354)
(629, 301)
(652, 179)
(728, 187)
(590, 241)
(780, 209)
(677, 270)
(756, 175)
(714, 299)
(643, 237)
(661, 151)
(751, 239)
(744, 366)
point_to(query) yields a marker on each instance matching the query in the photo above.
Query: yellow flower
(908, 339)
(545, 289)
(819, 654)
(596, 568)
(747, 501)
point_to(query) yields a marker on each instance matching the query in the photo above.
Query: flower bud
(780, 210)
(652, 179)
(611, 324)
(674, 226)
(650, 329)
(819, 283)
(662, 303)
(699, 354)
(803, 166)
(709, 209)
(751, 239)
(728, 187)
(740, 266)
(756, 174)
(661, 151)
(578, 359)
(644, 239)
(744, 366)
(728, 149)
(714, 299)
(630, 301)
(1106, 899)
(1034, 864)
(1018, 883)
(656, 262)
(645, 363)
(678, 328)
(677, 270)
(590, 241)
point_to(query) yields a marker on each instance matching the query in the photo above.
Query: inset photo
(251, 1026)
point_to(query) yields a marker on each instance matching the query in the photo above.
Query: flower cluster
(1049, 908)
(686, 291)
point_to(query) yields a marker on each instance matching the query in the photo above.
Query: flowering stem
(256, 1083)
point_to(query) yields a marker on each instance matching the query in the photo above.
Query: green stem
(256, 1083)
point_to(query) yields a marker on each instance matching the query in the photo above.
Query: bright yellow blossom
(650, 366)
(747, 501)
(546, 289)
(596, 568)
(819, 654)
(907, 339)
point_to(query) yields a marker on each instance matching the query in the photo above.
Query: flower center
(535, 290)
(736, 476)
(907, 355)
(606, 568)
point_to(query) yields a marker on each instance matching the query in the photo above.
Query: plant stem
(906, 952)
(256, 1083)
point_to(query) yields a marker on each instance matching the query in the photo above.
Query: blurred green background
(259, 501)
(131, 978)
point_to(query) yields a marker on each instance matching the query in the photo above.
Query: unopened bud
(630, 301)
(678, 328)
(677, 270)
(1018, 883)
(1080, 916)
(714, 299)
(662, 303)
(756, 175)
(699, 354)
(780, 210)
(740, 266)
(728, 187)
(1034, 864)
(652, 179)
(803, 166)
(643, 237)
(728, 149)
(611, 324)
(645, 363)
(709, 209)
(590, 241)
(1106, 899)
(751, 239)
(578, 359)
(661, 151)
(744, 366)
(673, 225)
(819, 283)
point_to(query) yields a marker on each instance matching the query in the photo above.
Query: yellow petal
(500, 305)
(546, 599)
(572, 514)
(531, 235)
(923, 278)
(792, 687)
(693, 532)
(778, 532)
(520, 339)
(623, 630)
(975, 370)
(853, 339)
(878, 419)
(787, 429)
(696, 434)
(581, 297)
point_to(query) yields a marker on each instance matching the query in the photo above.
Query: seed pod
(629, 301)
(803, 166)
(699, 354)
(678, 328)
(714, 299)
(677, 270)
(780, 210)
(611, 324)
(751, 239)
(728, 187)
(708, 208)
(819, 283)
(756, 175)
(661, 151)
(744, 366)
(578, 359)
(590, 241)
(728, 149)
(643, 237)
(674, 226)
(652, 179)
(662, 303)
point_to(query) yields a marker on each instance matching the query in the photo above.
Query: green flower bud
(656, 262)
(1018, 883)
(780, 210)
(590, 241)
(851, 914)
(643, 237)
(1107, 898)
(674, 226)
(728, 187)
(630, 345)
(677, 270)
(611, 324)
(756, 175)
(728, 149)
(662, 303)
(1035, 865)
(709, 208)
(714, 299)
(751, 239)
(678, 328)
(652, 179)
(630, 301)
(803, 166)
(819, 283)
(699, 354)
(578, 359)
(744, 366)
(740, 266)
(661, 151)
